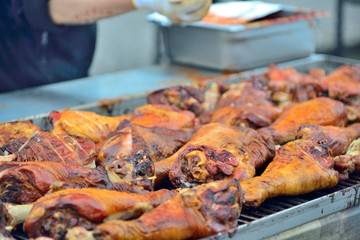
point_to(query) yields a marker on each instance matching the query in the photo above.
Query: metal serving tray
(290, 34)
(278, 214)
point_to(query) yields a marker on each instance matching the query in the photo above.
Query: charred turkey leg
(25, 182)
(217, 152)
(194, 213)
(53, 214)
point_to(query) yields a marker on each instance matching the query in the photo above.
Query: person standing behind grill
(47, 41)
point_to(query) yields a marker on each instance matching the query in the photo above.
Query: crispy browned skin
(10, 131)
(25, 182)
(337, 138)
(246, 116)
(350, 161)
(84, 124)
(183, 97)
(194, 213)
(299, 167)
(45, 146)
(319, 111)
(159, 142)
(53, 214)
(216, 152)
(153, 115)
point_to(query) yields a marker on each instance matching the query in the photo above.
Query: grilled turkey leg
(299, 167)
(215, 152)
(194, 213)
(53, 214)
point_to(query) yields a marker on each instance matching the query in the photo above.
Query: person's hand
(177, 10)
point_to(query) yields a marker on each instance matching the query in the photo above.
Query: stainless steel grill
(274, 215)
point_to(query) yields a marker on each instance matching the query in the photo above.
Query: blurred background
(129, 41)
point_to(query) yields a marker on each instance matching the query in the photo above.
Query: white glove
(177, 10)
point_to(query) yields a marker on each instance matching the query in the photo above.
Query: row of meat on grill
(184, 165)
